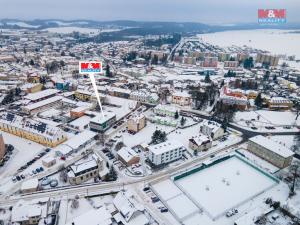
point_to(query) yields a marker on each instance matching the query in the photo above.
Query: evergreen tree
(258, 100)
(207, 78)
(182, 121)
(176, 116)
(31, 62)
(107, 71)
(112, 175)
(248, 63)
(154, 60)
(267, 75)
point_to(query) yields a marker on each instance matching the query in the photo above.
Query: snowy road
(96, 189)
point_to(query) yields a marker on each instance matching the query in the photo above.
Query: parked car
(163, 210)
(146, 188)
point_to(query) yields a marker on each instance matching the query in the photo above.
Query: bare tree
(63, 176)
(75, 204)
(119, 145)
(295, 172)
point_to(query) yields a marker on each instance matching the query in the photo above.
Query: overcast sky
(206, 11)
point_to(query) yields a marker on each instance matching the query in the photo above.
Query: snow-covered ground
(286, 140)
(25, 150)
(275, 41)
(67, 30)
(224, 186)
(264, 118)
(22, 24)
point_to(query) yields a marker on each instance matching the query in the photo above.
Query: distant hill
(136, 28)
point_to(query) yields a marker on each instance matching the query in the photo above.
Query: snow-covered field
(225, 186)
(275, 41)
(22, 24)
(67, 30)
(262, 118)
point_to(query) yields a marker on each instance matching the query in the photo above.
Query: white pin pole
(92, 77)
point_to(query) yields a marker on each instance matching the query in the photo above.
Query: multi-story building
(100, 124)
(84, 171)
(119, 92)
(271, 151)
(210, 62)
(181, 98)
(267, 59)
(83, 95)
(33, 130)
(231, 64)
(212, 129)
(279, 103)
(165, 152)
(136, 122)
(167, 121)
(241, 57)
(32, 87)
(32, 212)
(165, 110)
(140, 96)
(229, 97)
(200, 143)
(189, 60)
(222, 56)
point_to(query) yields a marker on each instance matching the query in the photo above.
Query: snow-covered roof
(93, 217)
(22, 211)
(30, 184)
(212, 125)
(80, 122)
(63, 149)
(165, 147)
(183, 94)
(32, 126)
(272, 146)
(127, 204)
(80, 109)
(99, 119)
(80, 139)
(127, 154)
(279, 100)
(81, 167)
(137, 117)
(166, 108)
(41, 94)
(200, 140)
(42, 103)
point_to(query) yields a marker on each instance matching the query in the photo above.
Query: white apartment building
(165, 152)
(140, 96)
(212, 129)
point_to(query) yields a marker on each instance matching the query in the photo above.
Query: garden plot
(224, 186)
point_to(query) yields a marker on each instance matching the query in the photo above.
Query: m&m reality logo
(272, 16)
(90, 67)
